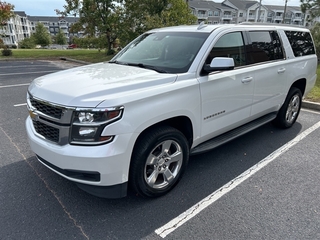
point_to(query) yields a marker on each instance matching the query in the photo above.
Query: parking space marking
(206, 202)
(23, 73)
(21, 104)
(15, 85)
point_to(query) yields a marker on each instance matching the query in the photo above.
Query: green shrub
(111, 52)
(6, 52)
(27, 43)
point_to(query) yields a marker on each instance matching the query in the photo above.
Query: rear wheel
(158, 161)
(290, 109)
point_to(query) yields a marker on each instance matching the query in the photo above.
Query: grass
(94, 56)
(88, 55)
(314, 94)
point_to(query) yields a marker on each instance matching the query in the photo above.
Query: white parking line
(197, 208)
(19, 105)
(15, 85)
(23, 73)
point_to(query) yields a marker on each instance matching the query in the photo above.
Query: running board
(228, 136)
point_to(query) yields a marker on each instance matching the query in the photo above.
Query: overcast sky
(46, 7)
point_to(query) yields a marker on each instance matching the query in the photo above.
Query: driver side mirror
(219, 64)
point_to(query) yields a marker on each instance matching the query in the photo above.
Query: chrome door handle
(281, 70)
(247, 79)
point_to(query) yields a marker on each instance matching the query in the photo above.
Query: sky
(46, 7)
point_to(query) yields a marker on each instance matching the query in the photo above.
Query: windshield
(169, 52)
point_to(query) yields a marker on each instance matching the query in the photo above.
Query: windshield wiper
(141, 65)
(118, 62)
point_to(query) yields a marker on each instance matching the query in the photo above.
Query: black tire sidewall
(148, 141)
(281, 121)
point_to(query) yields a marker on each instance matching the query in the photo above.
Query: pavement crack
(47, 185)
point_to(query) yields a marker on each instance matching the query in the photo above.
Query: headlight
(88, 124)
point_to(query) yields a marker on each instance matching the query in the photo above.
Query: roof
(51, 19)
(207, 5)
(281, 8)
(242, 4)
(20, 13)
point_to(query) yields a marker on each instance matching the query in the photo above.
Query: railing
(226, 16)
(202, 15)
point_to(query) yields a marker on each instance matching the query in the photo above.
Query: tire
(158, 162)
(290, 109)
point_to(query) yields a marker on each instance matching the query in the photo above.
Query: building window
(216, 13)
(210, 13)
(241, 14)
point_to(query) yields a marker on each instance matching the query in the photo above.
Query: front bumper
(93, 168)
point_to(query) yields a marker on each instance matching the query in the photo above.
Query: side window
(301, 43)
(265, 46)
(230, 45)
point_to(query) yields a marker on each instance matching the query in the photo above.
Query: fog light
(87, 131)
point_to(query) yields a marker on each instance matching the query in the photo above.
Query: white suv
(170, 93)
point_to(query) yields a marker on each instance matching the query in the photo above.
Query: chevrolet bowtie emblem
(33, 115)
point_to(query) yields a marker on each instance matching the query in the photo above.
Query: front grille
(51, 111)
(48, 132)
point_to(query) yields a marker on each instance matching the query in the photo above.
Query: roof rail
(270, 24)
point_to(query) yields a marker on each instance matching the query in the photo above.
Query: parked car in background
(72, 46)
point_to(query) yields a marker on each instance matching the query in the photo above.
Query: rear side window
(301, 43)
(265, 46)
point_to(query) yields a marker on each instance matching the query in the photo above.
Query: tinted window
(301, 43)
(171, 52)
(265, 46)
(230, 45)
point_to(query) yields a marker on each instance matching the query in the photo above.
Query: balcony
(278, 17)
(202, 16)
(297, 19)
(226, 17)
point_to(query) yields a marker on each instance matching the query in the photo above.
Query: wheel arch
(181, 123)
(300, 84)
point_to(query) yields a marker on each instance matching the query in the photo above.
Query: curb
(74, 60)
(311, 105)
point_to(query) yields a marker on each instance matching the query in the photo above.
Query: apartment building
(16, 29)
(21, 26)
(237, 11)
(54, 24)
(212, 12)
(293, 15)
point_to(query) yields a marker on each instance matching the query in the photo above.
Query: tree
(101, 18)
(311, 6)
(27, 43)
(315, 31)
(61, 38)
(143, 15)
(6, 12)
(41, 35)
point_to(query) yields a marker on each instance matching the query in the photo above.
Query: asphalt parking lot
(263, 185)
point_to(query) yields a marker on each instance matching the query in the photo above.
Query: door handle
(281, 70)
(247, 79)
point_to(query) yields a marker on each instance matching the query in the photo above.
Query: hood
(89, 85)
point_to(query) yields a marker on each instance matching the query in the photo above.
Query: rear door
(266, 59)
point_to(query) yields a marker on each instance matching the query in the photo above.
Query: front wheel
(158, 161)
(290, 109)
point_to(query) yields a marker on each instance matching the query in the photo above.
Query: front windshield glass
(170, 52)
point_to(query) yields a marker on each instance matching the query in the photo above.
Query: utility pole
(285, 9)
(259, 11)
